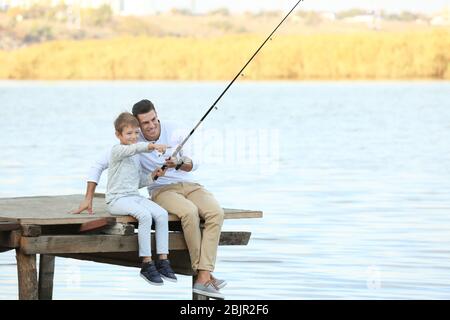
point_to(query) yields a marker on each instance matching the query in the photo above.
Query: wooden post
(46, 272)
(27, 274)
(196, 296)
(31, 230)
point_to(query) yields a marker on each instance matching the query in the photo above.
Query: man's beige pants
(190, 202)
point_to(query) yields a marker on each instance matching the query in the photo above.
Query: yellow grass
(369, 55)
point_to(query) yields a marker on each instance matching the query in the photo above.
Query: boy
(123, 198)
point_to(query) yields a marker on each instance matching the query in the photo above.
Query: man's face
(150, 126)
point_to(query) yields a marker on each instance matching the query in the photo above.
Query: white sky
(426, 6)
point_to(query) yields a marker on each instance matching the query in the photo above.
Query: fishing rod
(177, 150)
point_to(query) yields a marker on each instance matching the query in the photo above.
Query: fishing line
(177, 150)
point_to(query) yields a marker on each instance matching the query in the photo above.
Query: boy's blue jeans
(145, 211)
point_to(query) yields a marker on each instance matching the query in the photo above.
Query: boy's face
(129, 135)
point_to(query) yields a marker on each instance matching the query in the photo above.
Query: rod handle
(162, 168)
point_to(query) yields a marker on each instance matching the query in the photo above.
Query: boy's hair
(143, 106)
(125, 119)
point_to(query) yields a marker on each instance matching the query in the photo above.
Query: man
(176, 192)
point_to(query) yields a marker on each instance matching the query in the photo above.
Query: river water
(353, 179)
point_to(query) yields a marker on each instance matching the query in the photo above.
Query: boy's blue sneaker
(150, 274)
(165, 270)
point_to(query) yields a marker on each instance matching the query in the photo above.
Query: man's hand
(85, 205)
(171, 162)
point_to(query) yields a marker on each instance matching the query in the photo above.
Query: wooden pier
(45, 226)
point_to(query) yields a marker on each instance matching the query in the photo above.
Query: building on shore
(118, 7)
(442, 18)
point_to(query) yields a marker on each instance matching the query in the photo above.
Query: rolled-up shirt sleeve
(121, 151)
(186, 153)
(97, 168)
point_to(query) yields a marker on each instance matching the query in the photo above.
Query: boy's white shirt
(125, 176)
(170, 135)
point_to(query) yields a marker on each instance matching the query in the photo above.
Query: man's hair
(143, 106)
(124, 120)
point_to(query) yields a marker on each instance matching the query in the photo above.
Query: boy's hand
(159, 147)
(158, 173)
(85, 205)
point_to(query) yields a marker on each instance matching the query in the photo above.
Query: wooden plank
(78, 244)
(242, 214)
(122, 229)
(229, 214)
(112, 243)
(59, 221)
(10, 239)
(46, 274)
(8, 226)
(97, 224)
(49, 210)
(53, 210)
(91, 243)
(27, 276)
(6, 219)
(130, 219)
(234, 238)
